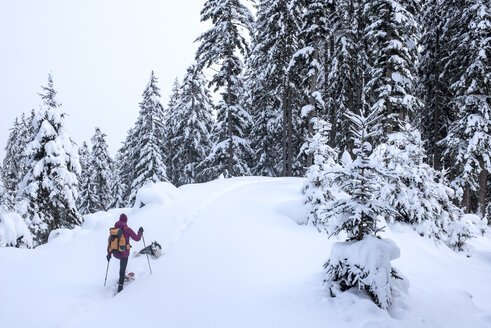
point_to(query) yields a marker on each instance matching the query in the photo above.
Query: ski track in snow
(187, 220)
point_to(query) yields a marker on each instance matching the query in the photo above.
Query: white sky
(100, 52)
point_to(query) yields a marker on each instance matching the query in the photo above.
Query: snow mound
(160, 193)
(12, 228)
(364, 264)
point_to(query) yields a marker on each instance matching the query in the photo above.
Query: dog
(154, 249)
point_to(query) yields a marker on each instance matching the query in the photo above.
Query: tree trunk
(466, 199)
(230, 136)
(285, 134)
(333, 132)
(388, 79)
(437, 112)
(290, 135)
(483, 184)
(313, 89)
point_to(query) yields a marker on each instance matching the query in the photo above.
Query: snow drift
(234, 256)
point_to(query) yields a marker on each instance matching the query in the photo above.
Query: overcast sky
(101, 53)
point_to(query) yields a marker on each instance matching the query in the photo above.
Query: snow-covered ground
(235, 256)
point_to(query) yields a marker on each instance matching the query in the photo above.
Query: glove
(108, 257)
(140, 230)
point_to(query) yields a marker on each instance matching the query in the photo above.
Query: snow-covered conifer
(306, 63)
(50, 186)
(363, 261)
(126, 169)
(220, 47)
(171, 120)
(192, 142)
(316, 189)
(84, 200)
(458, 233)
(347, 69)
(392, 33)
(468, 142)
(13, 230)
(99, 170)
(433, 83)
(279, 95)
(118, 186)
(13, 168)
(147, 158)
(413, 188)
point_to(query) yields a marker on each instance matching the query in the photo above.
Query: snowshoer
(123, 257)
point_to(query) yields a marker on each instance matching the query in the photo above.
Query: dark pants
(122, 270)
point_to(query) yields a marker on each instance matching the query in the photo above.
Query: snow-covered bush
(414, 189)
(316, 189)
(458, 232)
(365, 265)
(13, 230)
(160, 193)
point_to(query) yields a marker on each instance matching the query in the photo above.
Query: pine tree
(118, 186)
(50, 186)
(433, 85)
(126, 168)
(316, 189)
(170, 132)
(364, 260)
(147, 158)
(262, 103)
(84, 200)
(13, 164)
(360, 180)
(306, 63)
(468, 142)
(192, 143)
(99, 174)
(392, 44)
(414, 189)
(220, 46)
(347, 69)
(278, 27)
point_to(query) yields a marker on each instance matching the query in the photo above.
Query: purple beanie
(123, 218)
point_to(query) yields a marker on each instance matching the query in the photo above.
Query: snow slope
(235, 256)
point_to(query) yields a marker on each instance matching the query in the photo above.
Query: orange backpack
(117, 241)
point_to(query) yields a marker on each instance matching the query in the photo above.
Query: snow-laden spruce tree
(416, 191)
(126, 169)
(392, 38)
(99, 170)
(118, 186)
(147, 158)
(364, 260)
(468, 142)
(84, 200)
(316, 189)
(13, 168)
(171, 120)
(278, 95)
(50, 186)
(306, 62)
(195, 113)
(433, 82)
(222, 47)
(346, 69)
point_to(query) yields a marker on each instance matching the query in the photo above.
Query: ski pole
(147, 254)
(106, 273)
